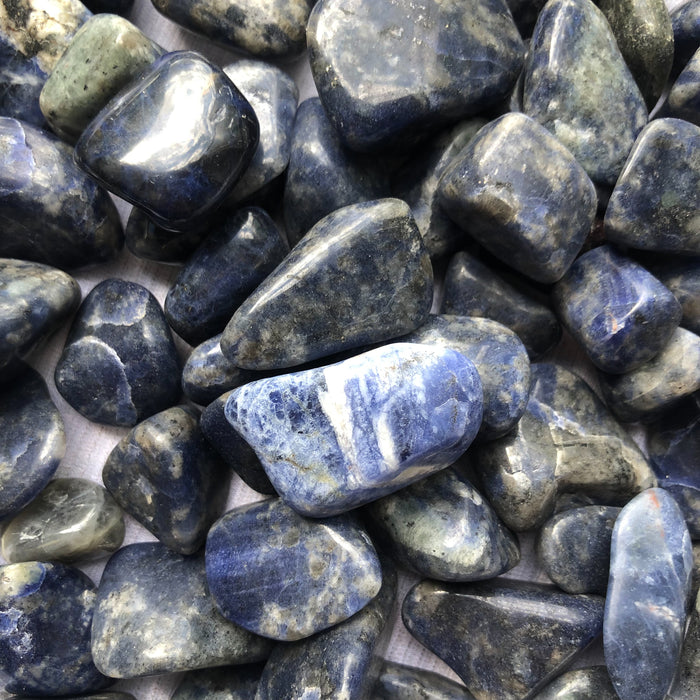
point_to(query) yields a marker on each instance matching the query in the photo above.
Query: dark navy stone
(577, 85)
(655, 201)
(119, 364)
(580, 684)
(236, 256)
(398, 682)
(223, 683)
(620, 314)
(504, 639)
(337, 437)
(168, 477)
(46, 611)
(685, 20)
(33, 442)
(687, 685)
(154, 614)
(683, 101)
(317, 573)
(115, 7)
(387, 74)
(361, 275)
(525, 13)
(573, 548)
(179, 167)
(566, 442)
(473, 289)
(520, 194)
(50, 210)
(650, 567)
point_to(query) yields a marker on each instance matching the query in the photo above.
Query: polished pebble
(687, 684)
(592, 683)
(685, 20)
(683, 101)
(223, 683)
(399, 682)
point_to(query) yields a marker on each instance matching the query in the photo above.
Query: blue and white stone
(399, 682)
(685, 20)
(683, 101)
(222, 683)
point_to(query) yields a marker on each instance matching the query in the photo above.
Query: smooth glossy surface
(683, 100)
(398, 682)
(580, 684)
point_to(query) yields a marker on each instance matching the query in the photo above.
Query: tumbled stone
(566, 442)
(46, 611)
(685, 20)
(361, 275)
(177, 163)
(373, 60)
(655, 201)
(577, 85)
(337, 437)
(485, 631)
(70, 519)
(154, 614)
(580, 684)
(50, 211)
(223, 683)
(399, 682)
(317, 573)
(683, 101)
(33, 442)
(166, 475)
(687, 684)
(650, 568)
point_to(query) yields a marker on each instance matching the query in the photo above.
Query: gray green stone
(399, 682)
(591, 683)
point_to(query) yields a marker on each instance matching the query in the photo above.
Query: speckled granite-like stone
(119, 364)
(683, 101)
(166, 475)
(577, 85)
(70, 519)
(399, 682)
(687, 685)
(46, 611)
(485, 631)
(685, 20)
(33, 443)
(154, 614)
(386, 72)
(51, 211)
(645, 608)
(223, 683)
(178, 164)
(655, 201)
(361, 275)
(580, 684)
(317, 573)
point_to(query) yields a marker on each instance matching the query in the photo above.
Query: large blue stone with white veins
(174, 142)
(650, 568)
(685, 20)
(577, 85)
(387, 72)
(520, 194)
(683, 101)
(398, 682)
(336, 437)
(317, 573)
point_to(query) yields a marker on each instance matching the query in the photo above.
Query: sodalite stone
(577, 85)
(50, 210)
(236, 256)
(317, 573)
(685, 20)
(33, 443)
(620, 314)
(521, 195)
(683, 101)
(580, 684)
(224, 683)
(46, 611)
(119, 364)
(485, 631)
(566, 442)
(361, 275)
(181, 166)
(154, 614)
(386, 72)
(337, 437)
(645, 608)
(70, 519)
(398, 682)
(655, 201)
(167, 476)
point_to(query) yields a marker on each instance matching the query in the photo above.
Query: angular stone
(441, 528)
(373, 60)
(620, 314)
(223, 683)
(70, 519)
(166, 475)
(577, 85)
(33, 442)
(687, 685)
(580, 684)
(566, 442)
(645, 608)
(119, 364)
(177, 163)
(685, 20)
(655, 201)
(317, 573)
(360, 276)
(534, 217)
(398, 682)
(337, 437)
(154, 614)
(50, 210)
(683, 101)
(236, 256)
(485, 631)
(46, 611)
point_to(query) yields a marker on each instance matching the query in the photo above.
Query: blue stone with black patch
(685, 20)
(683, 101)
(222, 683)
